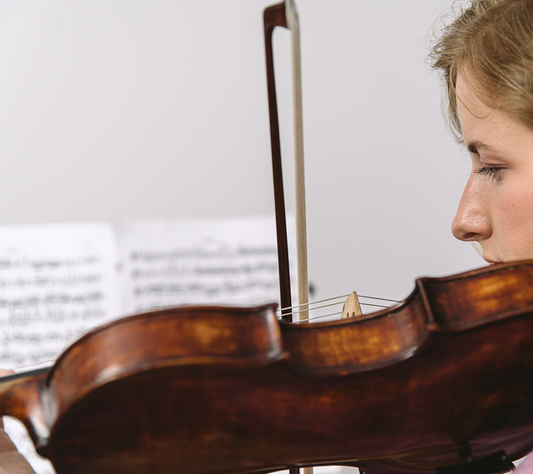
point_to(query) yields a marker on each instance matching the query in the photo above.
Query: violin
(441, 382)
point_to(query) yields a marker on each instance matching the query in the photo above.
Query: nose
(472, 219)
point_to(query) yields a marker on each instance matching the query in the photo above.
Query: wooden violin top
(443, 379)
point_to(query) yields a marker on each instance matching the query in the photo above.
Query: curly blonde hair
(491, 44)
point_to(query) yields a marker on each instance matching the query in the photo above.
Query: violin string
(311, 309)
(315, 317)
(379, 298)
(312, 318)
(334, 314)
(334, 304)
(307, 306)
(310, 304)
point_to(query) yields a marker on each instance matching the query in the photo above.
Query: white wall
(136, 108)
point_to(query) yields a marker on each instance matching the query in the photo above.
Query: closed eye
(491, 172)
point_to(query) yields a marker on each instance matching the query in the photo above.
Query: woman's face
(496, 208)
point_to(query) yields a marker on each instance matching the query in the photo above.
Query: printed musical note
(166, 263)
(57, 281)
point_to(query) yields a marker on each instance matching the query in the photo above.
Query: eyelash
(491, 172)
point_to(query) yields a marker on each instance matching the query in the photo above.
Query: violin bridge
(351, 307)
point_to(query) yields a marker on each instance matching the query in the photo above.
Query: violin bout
(443, 379)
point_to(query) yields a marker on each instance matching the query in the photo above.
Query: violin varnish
(351, 307)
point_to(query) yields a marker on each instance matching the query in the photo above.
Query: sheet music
(57, 281)
(168, 263)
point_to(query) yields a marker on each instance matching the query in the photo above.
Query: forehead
(468, 98)
(483, 125)
(475, 115)
(479, 123)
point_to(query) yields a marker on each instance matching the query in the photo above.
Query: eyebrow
(475, 145)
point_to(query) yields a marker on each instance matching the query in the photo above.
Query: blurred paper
(168, 263)
(58, 281)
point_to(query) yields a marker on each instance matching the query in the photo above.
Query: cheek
(512, 220)
(516, 203)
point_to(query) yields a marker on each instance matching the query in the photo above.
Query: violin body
(443, 380)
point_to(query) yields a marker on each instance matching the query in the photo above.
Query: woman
(486, 60)
(11, 461)
(486, 57)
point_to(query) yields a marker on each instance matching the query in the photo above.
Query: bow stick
(285, 14)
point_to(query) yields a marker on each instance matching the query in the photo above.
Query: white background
(113, 109)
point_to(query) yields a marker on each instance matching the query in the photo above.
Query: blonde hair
(491, 44)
